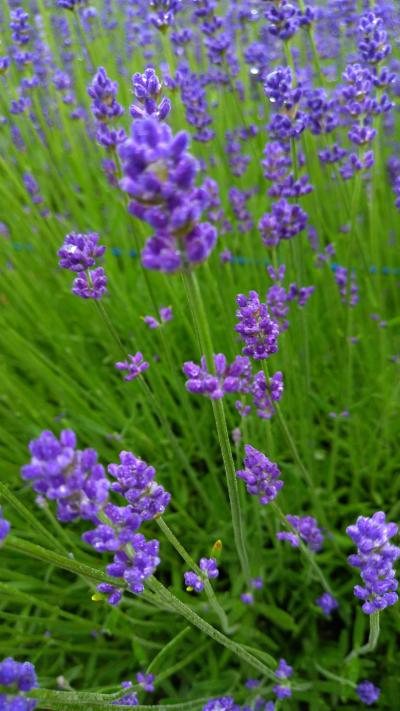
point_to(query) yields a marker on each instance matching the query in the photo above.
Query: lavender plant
(221, 179)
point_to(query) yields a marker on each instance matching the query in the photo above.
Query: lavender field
(200, 355)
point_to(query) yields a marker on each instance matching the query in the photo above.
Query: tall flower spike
(159, 177)
(147, 89)
(256, 327)
(260, 475)
(60, 472)
(135, 482)
(375, 558)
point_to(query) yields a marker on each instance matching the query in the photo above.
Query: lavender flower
(103, 91)
(327, 603)
(375, 557)
(165, 316)
(283, 672)
(128, 699)
(283, 222)
(347, 286)
(260, 475)
(147, 89)
(91, 284)
(159, 176)
(209, 569)
(145, 681)
(80, 251)
(134, 366)
(373, 45)
(19, 26)
(60, 472)
(4, 526)
(306, 527)
(256, 327)
(135, 558)
(135, 482)
(247, 598)
(278, 88)
(21, 676)
(367, 692)
(265, 392)
(232, 378)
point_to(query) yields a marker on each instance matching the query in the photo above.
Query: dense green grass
(57, 370)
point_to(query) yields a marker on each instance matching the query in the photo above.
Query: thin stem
(374, 629)
(194, 619)
(334, 677)
(193, 565)
(204, 335)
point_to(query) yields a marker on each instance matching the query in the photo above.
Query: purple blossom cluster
(60, 472)
(282, 690)
(367, 692)
(209, 570)
(256, 327)
(77, 482)
(159, 177)
(133, 367)
(106, 109)
(375, 558)
(79, 253)
(260, 475)
(16, 678)
(327, 603)
(347, 286)
(166, 315)
(307, 529)
(279, 299)
(147, 89)
(233, 378)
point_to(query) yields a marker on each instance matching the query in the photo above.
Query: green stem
(374, 629)
(204, 335)
(193, 565)
(334, 677)
(184, 611)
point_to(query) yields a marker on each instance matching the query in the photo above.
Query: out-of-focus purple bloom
(227, 379)
(327, 603)
(165, 316)
(347, 286)
(307, 529)
(4, 526)
(19, 26)
(375, 557)
(276, 161)
(62, 473)
(260, 475)
(278, 88)
(103, 91)
(283, 18)
(257, 583)
(21, 676)
(4, 64)
(256, 327)
(114, 594)
(146, 681)
(223, 703)
(80, 251)
(91, 284)
(247, 598)
(147, 89)
(135, 482)
(373, 45)
(134, 366)
(367, 692)
(264, 393)
(130, 699)
(163, 15)
(283, 222)
(284, 671)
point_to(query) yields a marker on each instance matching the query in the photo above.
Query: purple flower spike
(21, 677)
(145, 681)
(135, 482)
(375, 557)
(232, 378)
(208, 567)
(327, 603)
(4, 526)
(283, 222)
(284, 671)
(260, 475)
(91, 284)
(307, 529)
(147, 89)
(80, 251)
(103, 91)
(134, 366)
(367, 692)
(73, 478)
(256, 327)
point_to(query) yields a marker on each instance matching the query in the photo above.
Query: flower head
(306, 528)
(80, 251)
(21, 677)
(226, 379)
(4, 526)
(367, 692)
(256, 327)
(134, 366)
(327, 603)
(260, 475)
(375, 558)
